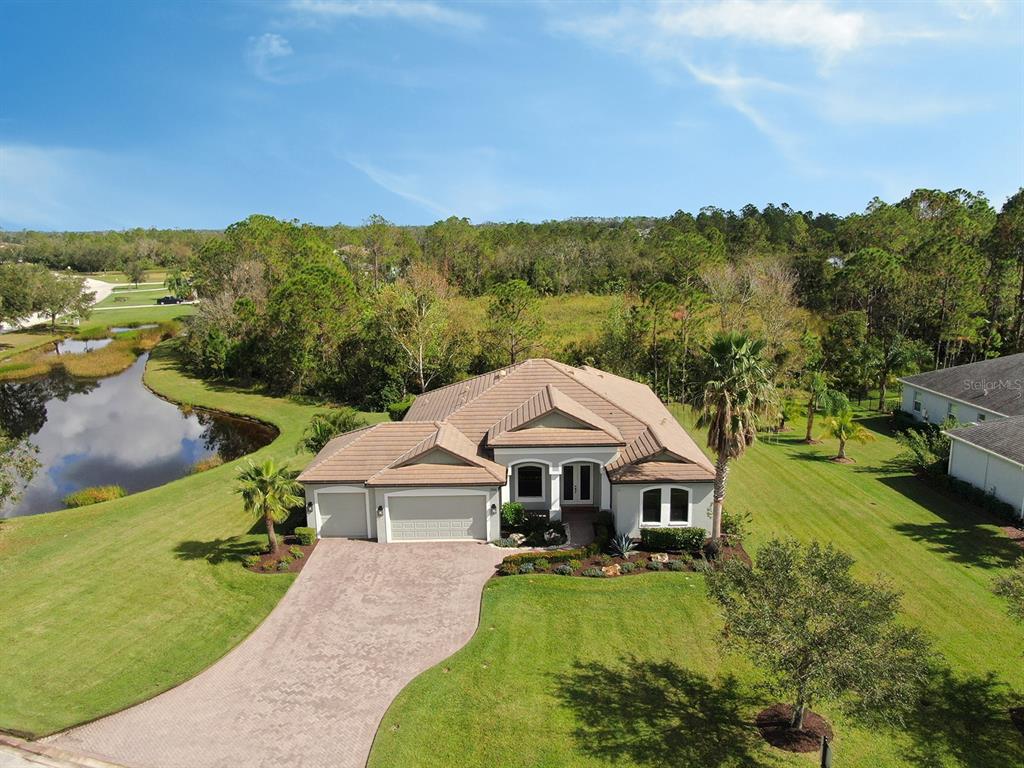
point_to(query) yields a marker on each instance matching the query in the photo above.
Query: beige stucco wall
(627, 500)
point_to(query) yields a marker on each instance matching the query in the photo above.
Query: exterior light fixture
(309, 507)
(494, 508)
(380, 510)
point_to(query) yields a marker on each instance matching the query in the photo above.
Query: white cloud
(405, 185)
(265, 53)
(405, 10)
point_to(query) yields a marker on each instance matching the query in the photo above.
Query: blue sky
(181, 114)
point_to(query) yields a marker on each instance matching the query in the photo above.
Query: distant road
(101, 288)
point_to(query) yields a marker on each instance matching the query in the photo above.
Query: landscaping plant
(622, 545)
(324, 427)
(844, 427)
(1012, 588)
(268, 491)
(821, 633)
(739, 394)
(513, 515)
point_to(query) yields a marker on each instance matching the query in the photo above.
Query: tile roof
(497, 409)
(1004, 437)
(996, 385)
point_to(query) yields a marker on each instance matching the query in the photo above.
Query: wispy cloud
(404, 10)
(265, 55)
(405, 185)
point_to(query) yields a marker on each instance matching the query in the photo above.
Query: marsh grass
(94, 495)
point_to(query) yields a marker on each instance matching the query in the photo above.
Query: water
(74, 346)
(125, 328)
(112, 432)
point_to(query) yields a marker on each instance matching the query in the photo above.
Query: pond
(74, 346)
(113, 432)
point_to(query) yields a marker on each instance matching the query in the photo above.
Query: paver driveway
(309, 687)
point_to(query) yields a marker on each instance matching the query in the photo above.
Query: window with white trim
(981, 416)
(665, 505)
(529, 481)
(951, 411)
(917, 401)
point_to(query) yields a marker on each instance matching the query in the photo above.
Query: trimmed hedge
(554, 556)
(397, 411)
(673, 539)
(306, 535)
(985, 499)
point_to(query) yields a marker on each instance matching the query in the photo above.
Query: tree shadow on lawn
(660, 714)
(218, 550)
(959, 534)
(967, 719)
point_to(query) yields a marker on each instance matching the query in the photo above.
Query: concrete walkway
(309, 687)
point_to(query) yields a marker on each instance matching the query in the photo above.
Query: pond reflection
(112, 432)
(75, 346)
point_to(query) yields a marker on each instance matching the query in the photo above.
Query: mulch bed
(729, 552)
(268, 562)
(773, 723)
(1015, 534)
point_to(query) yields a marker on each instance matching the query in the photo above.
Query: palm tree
(268, 491)
(739, 393)
(842, 426)
(324, 427)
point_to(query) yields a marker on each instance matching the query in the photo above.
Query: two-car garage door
(419, 518)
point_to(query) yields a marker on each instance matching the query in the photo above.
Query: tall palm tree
(268, 491)
(842, 426)
(739, 393)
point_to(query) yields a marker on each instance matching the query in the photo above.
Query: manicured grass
(132, 297)
(110, 604)
(16, 342)
(630, 672)
(153, 314)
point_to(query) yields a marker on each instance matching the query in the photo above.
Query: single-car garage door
(343, 514)
(415, 518)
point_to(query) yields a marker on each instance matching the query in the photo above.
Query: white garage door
(418, 518)
(343, 514)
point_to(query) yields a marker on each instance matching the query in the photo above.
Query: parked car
(169, 300)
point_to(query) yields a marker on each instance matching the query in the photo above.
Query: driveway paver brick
(309, 687)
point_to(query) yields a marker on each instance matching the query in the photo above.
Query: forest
(374, 313)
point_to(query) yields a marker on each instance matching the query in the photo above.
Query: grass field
(16, 342)
(629, 672)
(133, 297)
(107, 605)
(151, 276)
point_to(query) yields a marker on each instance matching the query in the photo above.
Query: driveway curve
(309, 687)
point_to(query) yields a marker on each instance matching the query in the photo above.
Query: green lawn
(16, 342)
(132, 297)
(107, 605)
(628, 672)
(149, 314)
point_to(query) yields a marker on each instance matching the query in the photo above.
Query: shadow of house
(940, 735)
(960, 534)
(659, 714)
(218, 550)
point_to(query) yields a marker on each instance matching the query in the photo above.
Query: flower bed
(291, 555)
(589, 562)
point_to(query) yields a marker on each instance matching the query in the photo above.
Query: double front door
(578, 484)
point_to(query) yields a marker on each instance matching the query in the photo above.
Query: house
(556, 438)
(987, 397)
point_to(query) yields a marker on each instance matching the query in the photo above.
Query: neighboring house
(987, 397)
(553, 437)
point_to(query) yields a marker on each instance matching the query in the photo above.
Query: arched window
(665, 505)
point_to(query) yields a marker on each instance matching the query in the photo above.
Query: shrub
(593, 573)
(575, 564)
(210, 462)
(653, 565)
(735, 524)
(639, 564)
(283, 563)
(508, 569)
(513, 514)
(605, 559)
(94, 495)
(563, 569)
(712, 549)
(556, 556)
(324, 427)
(306, 535)
(397, 410)
(621, 545)
(702, 566)
(677, 565)
(506, 543)
(627, 567)
(251, 561)
(526, 568)
(297, 553)
(542, 564)
(673, 539)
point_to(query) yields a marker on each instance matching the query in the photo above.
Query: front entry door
(577, 484)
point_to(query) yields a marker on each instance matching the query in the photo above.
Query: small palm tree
(739, 393)
(268, 491)
(844, 427)
(324, 427)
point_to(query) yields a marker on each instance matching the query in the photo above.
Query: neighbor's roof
(506, 408)
(996, 385)
(1003, 437)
